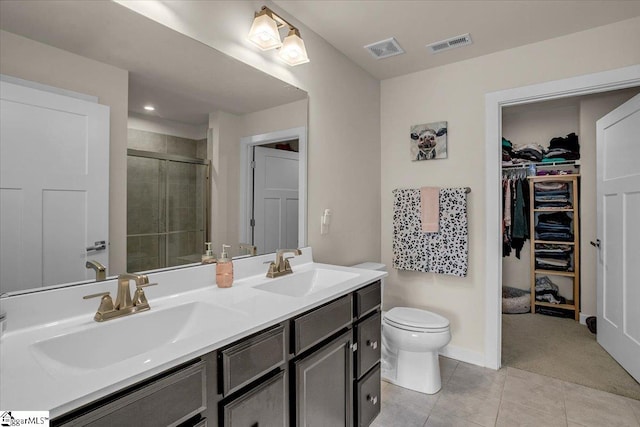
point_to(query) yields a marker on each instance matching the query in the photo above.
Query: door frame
(246, 182)
(605, 81)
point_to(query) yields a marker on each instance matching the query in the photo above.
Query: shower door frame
(207, 191)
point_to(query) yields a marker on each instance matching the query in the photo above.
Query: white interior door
(275, 199)
(54, 187)
(618, 195)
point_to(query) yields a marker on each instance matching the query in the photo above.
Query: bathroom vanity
(299, 350)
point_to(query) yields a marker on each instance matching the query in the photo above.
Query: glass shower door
(167, 207)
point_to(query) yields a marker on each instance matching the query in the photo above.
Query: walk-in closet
(549, 224)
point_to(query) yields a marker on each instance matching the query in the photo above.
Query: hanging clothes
(516, 206)
(520, 230)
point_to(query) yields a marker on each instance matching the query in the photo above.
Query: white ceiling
(183, 78)
(494, 25)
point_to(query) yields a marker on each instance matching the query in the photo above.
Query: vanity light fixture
(265, 33)
(149, 107)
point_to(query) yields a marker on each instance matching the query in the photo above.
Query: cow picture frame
(429, 141)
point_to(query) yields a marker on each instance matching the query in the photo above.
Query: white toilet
(411, 339)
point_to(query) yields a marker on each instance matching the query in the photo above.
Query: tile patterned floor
(472, 396)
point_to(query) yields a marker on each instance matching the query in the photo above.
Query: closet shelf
(549, 304)
(542, 164)
(543, 178)
(556, 273)
(554, 242)
(571, 184)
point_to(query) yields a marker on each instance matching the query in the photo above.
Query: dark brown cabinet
(264, 405)
(324, 385)
(319, 368)
(367, 330)
(154, 403)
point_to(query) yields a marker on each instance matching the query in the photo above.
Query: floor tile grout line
(506, 374)
(564, 401)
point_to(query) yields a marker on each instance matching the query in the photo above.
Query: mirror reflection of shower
(167, 203)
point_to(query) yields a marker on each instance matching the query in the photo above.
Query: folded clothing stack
(552, 195)
(561, 149)
(553, 257)
(529, 152)
(554, 226)
(547, 291)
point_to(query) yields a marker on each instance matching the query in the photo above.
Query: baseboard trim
(463, 355)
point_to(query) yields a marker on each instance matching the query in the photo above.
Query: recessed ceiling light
(149, 107)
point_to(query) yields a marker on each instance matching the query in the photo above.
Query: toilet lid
(416, 318)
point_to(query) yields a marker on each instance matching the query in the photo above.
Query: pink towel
(430, 209)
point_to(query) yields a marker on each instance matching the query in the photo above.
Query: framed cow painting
(429, 141)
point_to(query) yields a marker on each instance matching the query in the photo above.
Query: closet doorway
(559, 212)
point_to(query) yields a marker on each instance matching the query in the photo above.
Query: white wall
(167, 127)
(227, 129)
(29, 60)
(344, 115)
(282, 117)
(224, 153)
(456, 93)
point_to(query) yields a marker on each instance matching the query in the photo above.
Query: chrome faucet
(124, 304)
(281, 265)
(101, 271)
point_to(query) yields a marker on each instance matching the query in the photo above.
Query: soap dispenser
(208, 257)
(224, 269)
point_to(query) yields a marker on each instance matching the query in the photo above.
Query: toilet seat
(416, 320)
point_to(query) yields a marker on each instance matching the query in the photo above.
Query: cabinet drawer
(368, 398)
(265, 405)
(249, 359)
(313, 327)
(368, 299)
(167, 401)
(369, 344)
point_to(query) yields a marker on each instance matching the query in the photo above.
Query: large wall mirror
(128, 145)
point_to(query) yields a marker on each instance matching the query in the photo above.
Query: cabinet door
(265, 405)
(324, 385)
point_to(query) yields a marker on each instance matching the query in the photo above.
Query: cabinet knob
(372, 344)
(372, 399)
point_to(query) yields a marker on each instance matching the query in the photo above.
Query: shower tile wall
(164, 197)
(145, 198)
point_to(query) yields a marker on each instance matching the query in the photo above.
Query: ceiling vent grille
(452, 43)
(385, 48)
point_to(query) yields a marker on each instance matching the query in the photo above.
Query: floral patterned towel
(444, 252)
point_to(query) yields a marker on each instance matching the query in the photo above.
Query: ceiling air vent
(452, 43)
(384, 49)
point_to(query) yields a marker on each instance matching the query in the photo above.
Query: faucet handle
(139, 298)
(144, 285)
(106, 304)
(101, 294)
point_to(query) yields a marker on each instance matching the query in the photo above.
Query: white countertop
(28, 384)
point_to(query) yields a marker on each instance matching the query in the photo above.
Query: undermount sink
(306, 282)
(111, 342)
